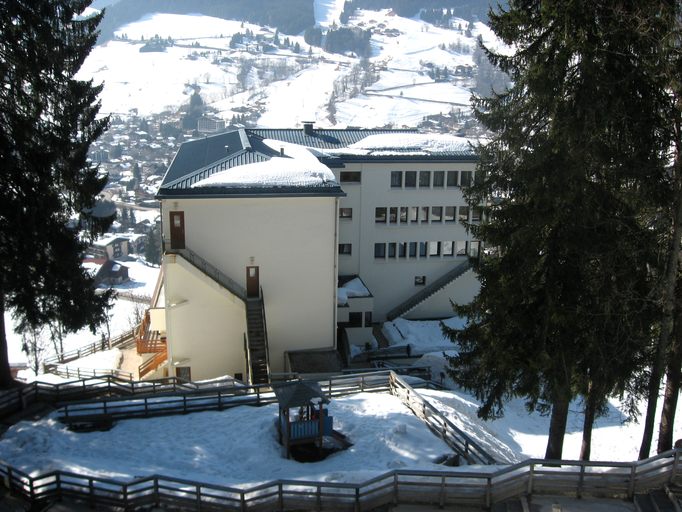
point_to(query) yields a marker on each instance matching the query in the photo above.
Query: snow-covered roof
(297, 167)
(400, 144)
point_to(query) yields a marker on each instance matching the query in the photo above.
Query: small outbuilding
(309, 421)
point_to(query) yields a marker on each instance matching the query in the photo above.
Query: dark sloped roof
(296, 394)
(321, 138)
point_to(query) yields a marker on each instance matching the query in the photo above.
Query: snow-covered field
(402, 96)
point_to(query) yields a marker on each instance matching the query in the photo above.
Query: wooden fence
(441, 488)
(86, 373)
(90, 349)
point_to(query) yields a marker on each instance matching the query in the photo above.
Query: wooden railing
(398, 487)
(454, 437)
(90, 349)
(86, 373)
(153, 362)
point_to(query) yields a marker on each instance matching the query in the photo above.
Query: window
(448, 248)
(413, 249)
(368, 318)
(438, 179)
(402, 250)
(380, 215)
(396, 179)
(425, 214)
(422, 249)
(465, 178)
(393, 215)
(464, 213)
(410, 179)
(414, 213)
(391, 250)
(345, 248)
(436, 213)
(474, 247)
(461, 248)
(424, 179)
(345, 213)
(403, 214)
(355, 319)
(434, 249)
(379, 250)
(350, 176)
(419, 280)
(452, 178)
(450, 212)
(476, 213)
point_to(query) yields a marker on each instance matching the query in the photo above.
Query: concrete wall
(291, 240)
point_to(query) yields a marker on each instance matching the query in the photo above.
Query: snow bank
(422, 336)
(353, 288)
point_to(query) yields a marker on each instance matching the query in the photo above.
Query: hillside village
(292, 213)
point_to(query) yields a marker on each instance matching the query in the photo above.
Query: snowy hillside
(277, 81)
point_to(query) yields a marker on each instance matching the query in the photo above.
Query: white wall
(461, 291)
(291, 240)
(392, 280)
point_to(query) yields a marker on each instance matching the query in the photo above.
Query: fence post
(125, 497)
(91, 489)
(441, 501)
(362, 383)
(395, 488)
(199, 497)
(242, 499)
(488, 492)
(531, 473)
(319, 498)
(357, 498)
(579, 493)
(280, 496)
(631, 487)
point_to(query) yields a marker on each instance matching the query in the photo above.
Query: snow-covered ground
(401, 50)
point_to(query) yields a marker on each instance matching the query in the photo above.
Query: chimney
(281, 151)
(308, 127)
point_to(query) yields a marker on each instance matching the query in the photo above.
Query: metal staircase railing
(429, 290)
(211, 271)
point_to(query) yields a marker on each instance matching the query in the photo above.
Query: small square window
(434, 249)
(393, 215)
(425, 214)
(419, 280)
(450, 212)
(345, 248)
(396, 179)
(424, 179)
(438, 179)
(355, 319)
(464, 213)
(403, 214)
(414, 213)
(380, 215)
(350, 177)
(466, 178)
(422, 249)
(452, 178)
(436, 213)
(368, 318)
(413, 249)
(345, 213)
(448, 248)
(380, 250)
(410, 179)
(402, 249)
(392, 249)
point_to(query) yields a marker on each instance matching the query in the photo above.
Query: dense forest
(290, 16)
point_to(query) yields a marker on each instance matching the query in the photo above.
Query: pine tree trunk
(672, 388)
(6, 380)
(557, 426)
(668, 302)
(588, 423)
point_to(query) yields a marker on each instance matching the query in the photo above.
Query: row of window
(423, 179)
(435, 249)
(431, 179)
(425, 214)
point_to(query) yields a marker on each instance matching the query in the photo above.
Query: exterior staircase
(657, 500)
(429, 290)
(257, 341)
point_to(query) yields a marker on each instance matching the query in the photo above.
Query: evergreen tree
(576, 160)
(49, 119)
(152, 248)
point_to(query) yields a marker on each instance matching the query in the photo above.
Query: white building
(275, 237)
